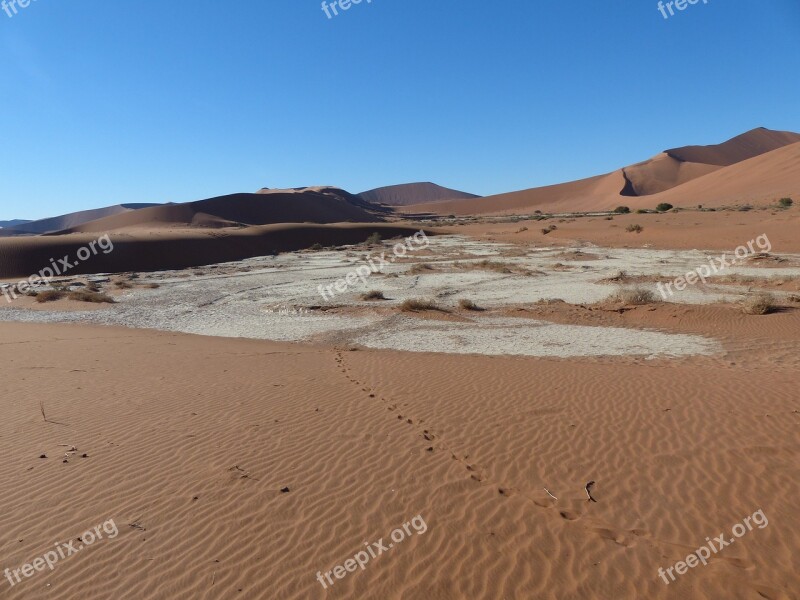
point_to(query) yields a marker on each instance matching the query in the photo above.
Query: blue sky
(107, 102)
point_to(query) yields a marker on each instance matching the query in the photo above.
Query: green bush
(785, 202)
(622, 210)
(664, 207)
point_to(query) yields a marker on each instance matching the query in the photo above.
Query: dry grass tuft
(634, 227)
(468, 304)
(50, 296)
(633, 296)
(94, 297)
(420, 268)
(417, 304)
(373, 295)
(759, 304)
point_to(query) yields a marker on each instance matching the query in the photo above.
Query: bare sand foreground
(190, 440)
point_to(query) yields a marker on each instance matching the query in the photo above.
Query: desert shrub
(50, 296)
(759, 304)
(123, 285)
(634, 227)
(785, 202)
(316, 246)
(641, 211)
(420, 268)
(374, 239)
(417, 304)
(87, 296)
(622, 210)
(664, 207)
(373, 295)
(152, 286)
(468, 304)
(745, 208)
(633, 296)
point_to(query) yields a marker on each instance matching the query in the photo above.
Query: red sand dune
(309, 205)
(413, 193)
(69, 220)
(756, 167)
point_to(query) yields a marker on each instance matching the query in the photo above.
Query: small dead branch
(588, 489)
(549, 494)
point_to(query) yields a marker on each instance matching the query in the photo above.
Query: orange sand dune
(412, 193)
(312, 205)
(763, 179)
(757, 167)
(742, 147)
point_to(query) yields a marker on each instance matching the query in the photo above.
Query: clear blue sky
(106, 102)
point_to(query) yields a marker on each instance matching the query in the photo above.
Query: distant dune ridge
(69, 220)
(757, 166)
(13, 223)
(303, 205)
(413, 193)
(222, 229)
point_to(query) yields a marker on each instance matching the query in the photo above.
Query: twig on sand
(588, 489)
(41, 406)
(549, 494)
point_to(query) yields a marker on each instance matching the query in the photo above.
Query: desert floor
(240, 468)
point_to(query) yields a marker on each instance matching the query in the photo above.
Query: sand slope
(312, 205)
(70, 220)
(155, 250)
(758, 166)
(412, 193)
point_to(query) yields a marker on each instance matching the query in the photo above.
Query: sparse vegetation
(759, 304)
(641, 211)
(664, 207)
(374, 239)
(152, 286)
(420, 268)
(123, 285)
(94, 297)
(316, 247)
(373, 295)
(634, 227)
(633, 296)
(468, 304)
(622, 210)
(785, 202)
(50, 296)
(417, 304)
